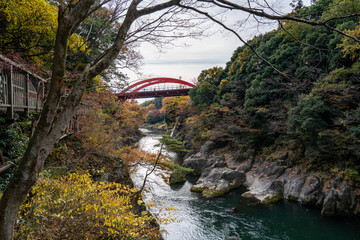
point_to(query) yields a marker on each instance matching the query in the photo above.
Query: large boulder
(195, 162)
(198, 162)
(329, 206)
(215, 182)
(206, 149)
(216, 161)
(293, 187)
(346, 200)
(275, 192)
(311, 191)
(266, 192)
(340, 199)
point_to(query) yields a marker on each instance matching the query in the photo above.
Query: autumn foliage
(76, 207)
(108, 124)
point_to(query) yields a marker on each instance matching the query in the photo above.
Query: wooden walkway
(20, 89)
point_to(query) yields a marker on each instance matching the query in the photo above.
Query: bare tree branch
(298, 40)
(148, 173)
(238, 36)
(261, 13)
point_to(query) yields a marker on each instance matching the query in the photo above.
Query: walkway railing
(20, 89)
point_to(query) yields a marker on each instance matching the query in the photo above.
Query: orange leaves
(108, 124)
(174, 106)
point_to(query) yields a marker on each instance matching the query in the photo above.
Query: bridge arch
(135, 87)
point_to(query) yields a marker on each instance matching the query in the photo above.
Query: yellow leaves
(242, 57)
(342, 8)
(350, 47)
(222, 85)
(77, 44)
(261, 110)
(29, 25)
(211, 73)
(75, 202)
(173, 106)
(35, 14)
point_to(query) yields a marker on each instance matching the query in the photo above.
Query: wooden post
(11, 94)
(27, 93)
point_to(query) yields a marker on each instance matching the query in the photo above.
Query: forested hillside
(315, 112)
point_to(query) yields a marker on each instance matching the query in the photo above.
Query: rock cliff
(270, 180)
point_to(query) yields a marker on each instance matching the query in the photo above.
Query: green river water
(231, 215)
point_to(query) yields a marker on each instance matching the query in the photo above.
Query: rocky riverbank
(271, 180)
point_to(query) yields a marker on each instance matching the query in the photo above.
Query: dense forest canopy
(249, 104)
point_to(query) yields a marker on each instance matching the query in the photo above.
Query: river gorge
(196, 217)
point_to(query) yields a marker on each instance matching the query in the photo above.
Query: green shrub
(310, 116)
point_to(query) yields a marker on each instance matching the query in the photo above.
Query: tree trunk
(56, 114)
(2, 160)
(26, 175)
(42, 141)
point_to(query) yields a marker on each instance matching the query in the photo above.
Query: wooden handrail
(19, 92)
(4, 168)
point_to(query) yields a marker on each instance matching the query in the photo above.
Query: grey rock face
(275, 192)
(195, 162)
(268, 181)
(206, 149)
(215, 182)
(233, 238)
(216, 161)
(245, 167)
(275, 171)
(239, 157)
(329, 205)
(293, 187)
(311, 190)
(346, 200)
(337, 181)
(339, 200)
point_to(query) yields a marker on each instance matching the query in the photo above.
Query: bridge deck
(156, 93)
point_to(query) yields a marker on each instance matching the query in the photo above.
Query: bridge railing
(158, 88)
(20, 89)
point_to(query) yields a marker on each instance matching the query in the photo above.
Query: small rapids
(231, 215)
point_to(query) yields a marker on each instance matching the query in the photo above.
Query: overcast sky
(188, 62)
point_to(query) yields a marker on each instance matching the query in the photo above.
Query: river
(231, 215)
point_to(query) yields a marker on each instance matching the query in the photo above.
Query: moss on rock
(177, 176)
(272, 199)
(196, 188)
(210, 193)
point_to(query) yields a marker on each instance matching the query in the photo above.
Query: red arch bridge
(156, 87)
